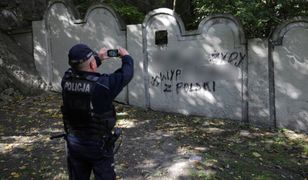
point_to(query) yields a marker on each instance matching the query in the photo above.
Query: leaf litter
(155, 145)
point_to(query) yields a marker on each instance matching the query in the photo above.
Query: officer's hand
(122, 52)
(102, 54)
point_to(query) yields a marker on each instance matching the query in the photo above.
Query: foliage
(82, 6)
(130, 14)
(257, 16)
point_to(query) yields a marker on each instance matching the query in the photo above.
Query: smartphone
(112, 53)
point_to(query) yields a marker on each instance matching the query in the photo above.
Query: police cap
(80, 53)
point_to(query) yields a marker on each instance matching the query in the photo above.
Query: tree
(257, 16)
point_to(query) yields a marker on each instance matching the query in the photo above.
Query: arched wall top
(76, 16)
(281, 30)
(206, 22)
(114, 14)
(223, 18)
(74, 12)
(164, 11)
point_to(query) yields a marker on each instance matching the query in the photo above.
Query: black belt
(110, 141)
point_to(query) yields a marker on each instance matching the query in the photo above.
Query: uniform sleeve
(98, 62)
(62, 80)
(122, 76)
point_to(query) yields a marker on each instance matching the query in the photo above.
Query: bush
(258, 17)
(130, 14)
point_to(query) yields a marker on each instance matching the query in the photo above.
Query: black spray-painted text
(169, 81)
(235, 58)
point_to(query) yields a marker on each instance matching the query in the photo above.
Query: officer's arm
(66, 73)
(121, 77)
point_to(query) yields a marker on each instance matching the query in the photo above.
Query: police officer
(88, 113)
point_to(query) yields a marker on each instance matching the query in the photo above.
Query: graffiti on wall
(170, 81)
(235, 58)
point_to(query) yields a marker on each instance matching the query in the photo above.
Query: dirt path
(149, 152)
(155, 145)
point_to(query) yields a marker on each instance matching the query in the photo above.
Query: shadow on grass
(155, 145)
(229, 149)
(26, 151)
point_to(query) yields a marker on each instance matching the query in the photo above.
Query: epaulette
(92, 78)
(70, 73)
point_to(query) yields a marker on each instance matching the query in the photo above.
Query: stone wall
(212, 71)
(289, 65)
(198, 73)
(59, 31)
(258, 82)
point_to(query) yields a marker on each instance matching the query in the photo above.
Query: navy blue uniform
(87, 154)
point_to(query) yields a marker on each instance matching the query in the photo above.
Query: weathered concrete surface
(199, 74)
(40, 50)
(258, 82)
(136, 89)
(101, 28)
(291, 74)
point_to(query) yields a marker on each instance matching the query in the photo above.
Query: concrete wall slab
(291, 73)
(136, 89)
(100, 28)
(198, 74)
(40, 50)
(212, 71)
(258, 82)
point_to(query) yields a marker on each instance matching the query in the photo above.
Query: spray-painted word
(193, 87)
(235, 58)
(168, 75)
(169, 81)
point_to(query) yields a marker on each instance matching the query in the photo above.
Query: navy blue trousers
(85, 156)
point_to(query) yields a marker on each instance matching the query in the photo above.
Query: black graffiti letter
(172, 73)
(162, 76)
(154, 81)
(167, 88)
(178, 87)
(177, 73)
(233, 56)
(242, 57)
(214, 55)
(167, 75)
(198, 87)
(206, 86)
(214, 84)
(224, 56)
(191, 87)
(186, 87)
